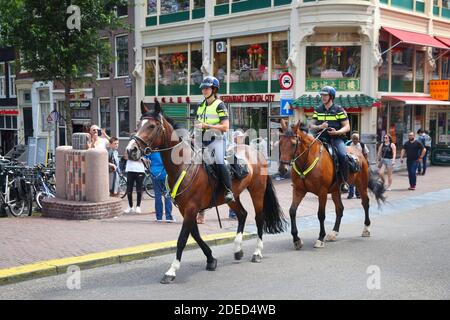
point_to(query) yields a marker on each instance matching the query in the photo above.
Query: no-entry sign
(286, 81)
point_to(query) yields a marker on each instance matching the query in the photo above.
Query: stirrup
(227, 194)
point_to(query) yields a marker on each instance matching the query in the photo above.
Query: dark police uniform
(334, 116)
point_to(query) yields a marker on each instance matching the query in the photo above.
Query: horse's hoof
(167, 279)
(366, 234)
(319, 244)
(332, 236)
(238, 255)
(298, 244)
(211, 266)
(256, 258)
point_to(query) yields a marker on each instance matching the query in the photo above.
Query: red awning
(416, 38)
(416, 100)
(445, 41)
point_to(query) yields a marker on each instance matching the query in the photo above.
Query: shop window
(152, 7)
(123, 116)
(338, 66)
(222, 1)
(279, 57)
(122, 56)
(150, 77)
(402, 69)
(2, 80)
(196, 64)
(103, 68)
(420, 70)
(383, 71)
(249, 71)
(105, 115)
(173, 70)
(220, 63)
(174, 6)
(435, 71)
(400, 124)
(445, 67)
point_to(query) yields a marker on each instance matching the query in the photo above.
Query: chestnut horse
(313, 171)
(196, 190)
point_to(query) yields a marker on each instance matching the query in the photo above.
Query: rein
(303, 174)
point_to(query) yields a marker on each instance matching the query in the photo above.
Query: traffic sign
(286, 81)
(286, 107)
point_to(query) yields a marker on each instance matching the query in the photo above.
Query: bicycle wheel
(122, 186)
(17, 207)
(148, 186)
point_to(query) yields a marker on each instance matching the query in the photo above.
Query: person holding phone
(99, 138)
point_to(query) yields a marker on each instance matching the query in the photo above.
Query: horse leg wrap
(238, 242)
(175, 266)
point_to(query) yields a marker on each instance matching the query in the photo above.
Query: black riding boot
(226, 180)
(344, 170)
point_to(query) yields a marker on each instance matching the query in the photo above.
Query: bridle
(145, 147)
(297, 143)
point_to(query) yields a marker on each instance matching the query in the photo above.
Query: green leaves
(50, 50)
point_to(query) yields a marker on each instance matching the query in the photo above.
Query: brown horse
(313, 171)
(196, 190)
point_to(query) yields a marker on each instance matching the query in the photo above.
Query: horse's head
(290, 141)
(149, 134)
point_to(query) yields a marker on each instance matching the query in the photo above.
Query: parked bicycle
(41, 187)
(15, 191)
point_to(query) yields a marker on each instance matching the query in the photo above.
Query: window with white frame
(123, 116)
(2, 80)
(104, 106)
(8, 122)
(44, 103)
(122, 56)
(12, 79)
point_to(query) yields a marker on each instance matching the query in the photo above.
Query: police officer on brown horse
(212, 117)
(334, 119)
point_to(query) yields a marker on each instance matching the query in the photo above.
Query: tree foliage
(49, 50)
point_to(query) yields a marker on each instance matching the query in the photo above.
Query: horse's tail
(376, 185)
(274, 221)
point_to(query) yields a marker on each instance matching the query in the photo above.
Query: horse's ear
(144, 108)
(157, 107)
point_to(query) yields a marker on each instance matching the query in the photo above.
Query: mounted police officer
(334, 119)
(212, 116)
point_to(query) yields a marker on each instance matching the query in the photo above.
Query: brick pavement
(31, 239)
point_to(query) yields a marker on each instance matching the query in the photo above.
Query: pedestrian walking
(236, 147)
(386, 156)
(356, 144)
(158, 174)
(135, 175)
(114, 168)
(425, 140)
(415, 152)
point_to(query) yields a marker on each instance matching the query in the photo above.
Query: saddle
(238, 167)
(353, 161)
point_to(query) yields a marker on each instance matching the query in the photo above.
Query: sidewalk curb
(101, 259)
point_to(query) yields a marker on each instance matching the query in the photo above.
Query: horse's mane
(153, 114)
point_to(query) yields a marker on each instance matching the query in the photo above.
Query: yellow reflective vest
(209, 114)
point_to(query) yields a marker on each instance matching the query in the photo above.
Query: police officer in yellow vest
(212, 116)
(332, 117)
